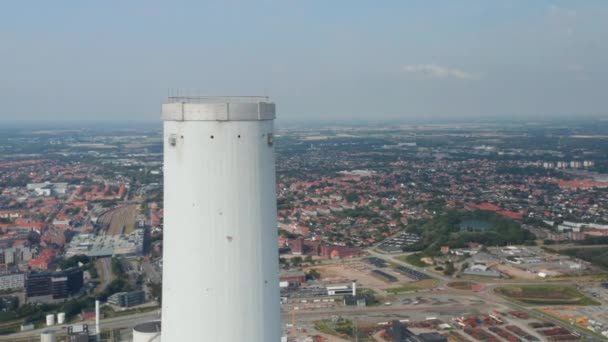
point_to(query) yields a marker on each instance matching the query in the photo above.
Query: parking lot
(396, 243)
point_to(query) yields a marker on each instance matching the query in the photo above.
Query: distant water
(475, 225)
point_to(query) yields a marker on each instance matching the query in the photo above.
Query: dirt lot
(461, 285)
(346, 272)
(119, 218)
(331, 338)
(516, 273)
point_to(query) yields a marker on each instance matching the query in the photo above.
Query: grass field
(402, 288)
(546, 295)
(418, 285)
(109, 312)
(413, 259)
(341, 328)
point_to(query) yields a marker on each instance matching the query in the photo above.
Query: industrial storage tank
(48, 336)
(50, 320)
(220, 257)
(147, 332)
(61, 318)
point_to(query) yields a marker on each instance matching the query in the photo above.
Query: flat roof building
(128, 299)
(9, 281)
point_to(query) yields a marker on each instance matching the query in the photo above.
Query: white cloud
(435, 71)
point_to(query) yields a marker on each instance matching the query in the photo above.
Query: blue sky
(335, 59)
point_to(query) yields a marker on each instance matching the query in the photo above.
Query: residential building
(9, 281)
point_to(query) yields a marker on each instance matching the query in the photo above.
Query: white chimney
(97, 330)
(220, 259)
(354, 288)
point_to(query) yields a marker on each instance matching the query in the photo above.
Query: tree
(117, 267)
(449, 268)
(296, 261)
(74, 260)
(117, 285)
(34, 238)
(352, 197)
(156, 290)
(313, 274)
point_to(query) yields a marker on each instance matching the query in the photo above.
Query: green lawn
(413, 259)
(342, 328)
(546, 295)
(109, 312)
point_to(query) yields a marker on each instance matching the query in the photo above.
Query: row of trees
(296, 261)
(597, 256)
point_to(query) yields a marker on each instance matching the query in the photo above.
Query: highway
(351, 312)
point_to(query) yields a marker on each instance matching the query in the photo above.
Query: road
(351, 312)
(488, 295)
(393, 309)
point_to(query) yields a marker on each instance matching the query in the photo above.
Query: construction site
(377, 276)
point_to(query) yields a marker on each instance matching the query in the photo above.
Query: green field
(546, 295)
(342, 328)
(413, 259)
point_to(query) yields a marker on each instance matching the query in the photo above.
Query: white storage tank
(48, 336)
(61, 318)
(147, 332)
(50, 320)
(220, 272)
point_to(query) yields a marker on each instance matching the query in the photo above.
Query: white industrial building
(337, 290)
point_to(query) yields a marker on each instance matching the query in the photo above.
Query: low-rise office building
(128, 299)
